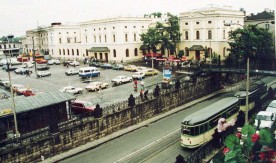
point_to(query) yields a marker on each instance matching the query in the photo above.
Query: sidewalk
(112, 136)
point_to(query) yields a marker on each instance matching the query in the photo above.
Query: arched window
(60, 40)
(68, 52)
(135, 52)
(59, 51)
(210, 51)
(127, 53)
(224, 52)
(197, 35)
(63, 51)
(209, 34)
(114, 53)
(72, 51)
(224, 36)
(186, 35)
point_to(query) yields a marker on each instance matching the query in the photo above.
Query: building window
(59, 33)
(94, 29)
(125, 26)
(60, 40)
(86, 39)
(59, 51)
(267, 26)
(127, 53)
(209, 22)
(187, 51)
(224, 36)
(186, 35)
(104, 28)
(186, 23)
(100, 38)
(68, 40)
(68, 52)
(113, 27)
(142, 26)
(78, 52)
(197, 35)
(99, 29)
(13, 45)
(63, 51)
(95, 55)
(105, 38)
(224, 52)
(95, 39)
(86, 52)
(114, 53)
(197, 22)
(114, 38)
(209, 34)
(126, 37)
(72, 51)
(134, 26)
(134, 37)
(135, 52)
(75, 39)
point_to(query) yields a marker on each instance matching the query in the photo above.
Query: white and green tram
(198, 128)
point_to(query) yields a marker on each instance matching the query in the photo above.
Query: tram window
(186, 131)
(194, 131)
(214, 122)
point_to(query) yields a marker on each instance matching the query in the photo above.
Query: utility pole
(34, 55)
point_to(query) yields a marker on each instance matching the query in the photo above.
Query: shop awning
(196, 47)
(153, 55)
(99, 49)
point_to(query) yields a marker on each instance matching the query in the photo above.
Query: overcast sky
(17, 16)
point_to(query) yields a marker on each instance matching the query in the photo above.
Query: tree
(250, 41)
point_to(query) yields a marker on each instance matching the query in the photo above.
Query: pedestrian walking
(67, 65)
(146, 95)
(135, 82)
(142, 94)
(142, 83)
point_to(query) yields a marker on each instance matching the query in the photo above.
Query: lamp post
(8, 38)
(247, 68)
(34, 56)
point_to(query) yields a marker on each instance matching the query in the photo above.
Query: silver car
(43, 73)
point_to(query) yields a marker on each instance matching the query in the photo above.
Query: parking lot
(58, 80)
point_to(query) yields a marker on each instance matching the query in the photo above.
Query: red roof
(153, 55)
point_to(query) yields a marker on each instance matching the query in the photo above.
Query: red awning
(153, 55)
(161, 59)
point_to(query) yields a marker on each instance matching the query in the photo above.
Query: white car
(43, 73)
(27, 65)
(141, 69)
(265, 119)
(53, 61)
(72, 72)
(74, 63)
(120, 80)
(18, 88)
(94, 86)
(71, 89)
(138, 75)
(272, 107)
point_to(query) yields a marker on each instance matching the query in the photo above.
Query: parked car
(43, 67)
(11, 68)
(106, 65)
(15, 62)
(43, 73)
(18, 88)
(95, 86)
(120, 80)
(265, 119)
(71, 89)
(72, 72)
(74, 63)
(95, 64)
(118, 67)
(6, 84)
(151, 72)
(41, 61)
(27, 65)
(56, 61)
(138, 75)
(272, 107)
(21, 70)
(79, 106)
(130, 68)
(65, 63)
(31, 92)
(141, 69)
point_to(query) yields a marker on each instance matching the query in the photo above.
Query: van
(271, 107)
(265, 119)
(88, 72)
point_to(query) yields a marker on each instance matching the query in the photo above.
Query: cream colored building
(204, 28)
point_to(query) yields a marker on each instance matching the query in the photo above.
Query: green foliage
(248, 130)
(235, 156)
(266, 138)
(231, 141)
(181, 53)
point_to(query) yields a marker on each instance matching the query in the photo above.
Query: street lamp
(247, 67)
(17, 135)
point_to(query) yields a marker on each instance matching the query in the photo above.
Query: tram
(257, 93)
(198, 128)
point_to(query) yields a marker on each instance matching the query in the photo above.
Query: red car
(79, 107)
(41, 61)
(28, 93)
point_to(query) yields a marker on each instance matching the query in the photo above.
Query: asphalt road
(58, 79)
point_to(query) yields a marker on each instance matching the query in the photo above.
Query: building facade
(9, 49)
(204, 30)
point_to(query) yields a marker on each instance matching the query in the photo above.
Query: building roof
(261, 16)
(23, 104)
(99, 49)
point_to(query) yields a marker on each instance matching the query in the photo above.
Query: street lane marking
(154, 142)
